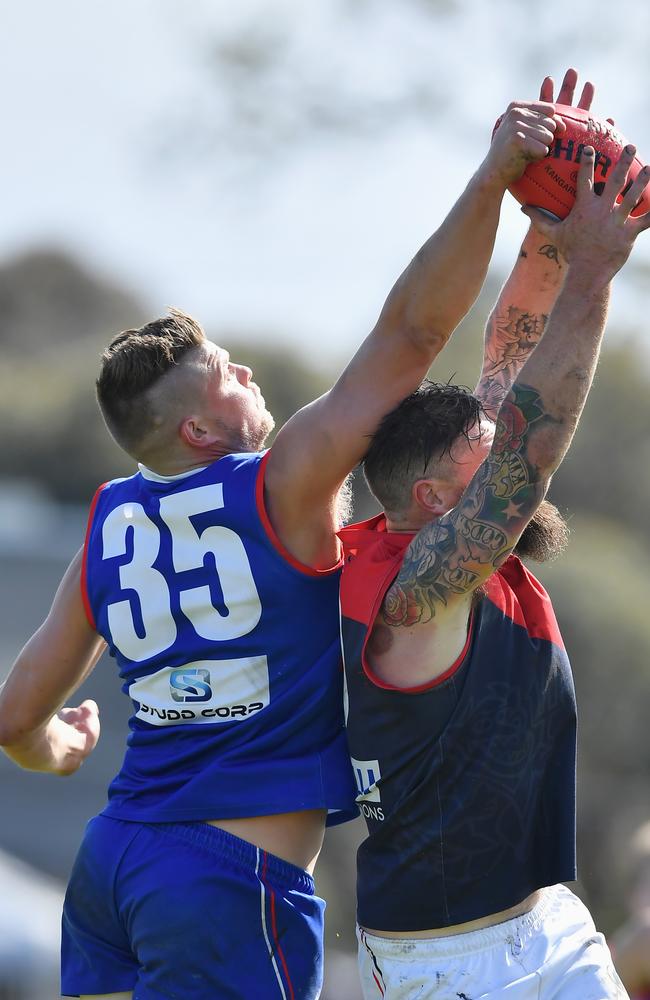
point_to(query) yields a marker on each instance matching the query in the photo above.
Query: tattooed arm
(517, 322)
(453, 555)
(520, 314)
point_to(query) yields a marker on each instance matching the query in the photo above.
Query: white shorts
(551, 953)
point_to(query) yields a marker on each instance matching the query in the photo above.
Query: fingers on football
(541, 107)
(536, 136)
(585, 181)
(616, 181)
(568, 87)
(587, 96)
(567, 91)
(633, 196)
(546, 90)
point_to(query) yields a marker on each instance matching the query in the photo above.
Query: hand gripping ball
(551, 183)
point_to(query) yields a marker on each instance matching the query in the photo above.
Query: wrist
(490, 181)
(536, 245)
(588, 276)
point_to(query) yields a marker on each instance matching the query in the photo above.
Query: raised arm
(321, 444)
(452, 556)
(516, 324)
(35, 731)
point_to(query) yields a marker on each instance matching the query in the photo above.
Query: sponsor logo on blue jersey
(190, 684)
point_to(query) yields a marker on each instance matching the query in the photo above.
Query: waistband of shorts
(518, 929)
(268, 867)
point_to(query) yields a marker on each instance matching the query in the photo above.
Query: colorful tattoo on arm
(457, 553)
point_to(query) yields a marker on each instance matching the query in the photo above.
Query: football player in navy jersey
(460, 701)
(212, 576)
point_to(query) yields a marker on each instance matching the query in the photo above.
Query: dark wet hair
(420, 430)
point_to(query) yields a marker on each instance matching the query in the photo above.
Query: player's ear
(432, 497)
(195, 433)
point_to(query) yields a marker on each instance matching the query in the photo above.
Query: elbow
(423, 329)
(423, 335)
(546, 450)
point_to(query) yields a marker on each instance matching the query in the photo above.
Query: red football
(551, 183)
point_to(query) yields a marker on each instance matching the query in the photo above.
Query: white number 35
(189, 549)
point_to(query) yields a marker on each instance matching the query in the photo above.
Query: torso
(237, 718)
(463, 746)
(296, 837)
(490, 920)
(407, 657)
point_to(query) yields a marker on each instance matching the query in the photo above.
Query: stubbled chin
(257, 438)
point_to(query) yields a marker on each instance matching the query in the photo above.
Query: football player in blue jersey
(461, 708)
(212, 576)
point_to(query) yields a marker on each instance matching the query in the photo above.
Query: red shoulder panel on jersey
(376, 553)
(273, 538)
(522, 598)
(84, 562)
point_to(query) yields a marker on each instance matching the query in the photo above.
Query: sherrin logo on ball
(551, 183)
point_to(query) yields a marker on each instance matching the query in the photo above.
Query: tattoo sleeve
(457, 553)
(519, 318)
(511, 336)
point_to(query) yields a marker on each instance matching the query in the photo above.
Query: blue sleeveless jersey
(467, 784)
(228, 649)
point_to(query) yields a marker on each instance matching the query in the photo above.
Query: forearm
(35, 731)
(519, 317)
(561, 370)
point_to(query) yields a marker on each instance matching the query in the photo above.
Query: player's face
(234, 399)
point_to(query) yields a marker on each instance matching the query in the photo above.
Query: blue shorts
(186, 910)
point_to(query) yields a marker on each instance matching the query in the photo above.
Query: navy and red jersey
(227, 647)
(467, 784)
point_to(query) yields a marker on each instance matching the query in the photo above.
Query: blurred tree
(601, 592)
(48, 299)
(56, 319)
(608, 471)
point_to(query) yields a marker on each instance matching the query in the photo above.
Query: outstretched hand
(567, 91)
(599, 232)
(524, 134)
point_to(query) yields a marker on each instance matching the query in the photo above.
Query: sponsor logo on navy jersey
(366, 775)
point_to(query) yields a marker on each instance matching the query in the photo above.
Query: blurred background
(271, 167)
